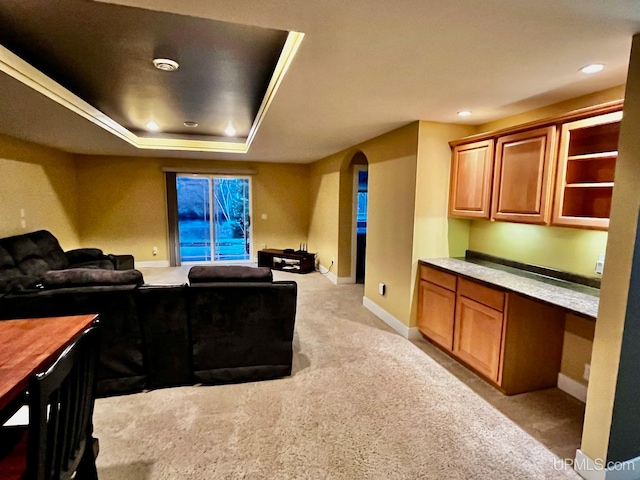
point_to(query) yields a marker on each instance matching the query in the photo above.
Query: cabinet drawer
(481, 294)
(443, 279)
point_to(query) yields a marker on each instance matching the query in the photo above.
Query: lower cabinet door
(478, 336)
(436, 309)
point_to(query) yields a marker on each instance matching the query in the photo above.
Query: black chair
(59, 435)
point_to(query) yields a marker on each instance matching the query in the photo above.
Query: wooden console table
(295, 262)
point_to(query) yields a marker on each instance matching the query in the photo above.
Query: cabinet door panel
(436, 308)
(471, 173)
(522, 185)
(478, 336)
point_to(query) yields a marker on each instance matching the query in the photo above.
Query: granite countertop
(571, 296)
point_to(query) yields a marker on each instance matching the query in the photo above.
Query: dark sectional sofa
(229, 324)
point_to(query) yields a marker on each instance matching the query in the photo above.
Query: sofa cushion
(50, 249)
(73, 277)
(84, 255)
(6, 260)
(34, 253)
(229, 273)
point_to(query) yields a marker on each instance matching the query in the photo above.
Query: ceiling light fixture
(464, 113)
(152, 126)
(165, 64)
(190, 124)
(230, 131)
(592, 68)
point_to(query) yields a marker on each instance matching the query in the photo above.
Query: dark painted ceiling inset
(103, 53)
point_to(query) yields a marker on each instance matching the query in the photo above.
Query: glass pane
(363, 180)
(194, 218)
(231, 216)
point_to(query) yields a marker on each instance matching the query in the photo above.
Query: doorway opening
(360, 203)
(213, 214)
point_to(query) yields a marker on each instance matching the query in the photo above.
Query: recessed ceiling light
(190, 124)
(592, 68)
(152, 126)
(165, 64)
(230, 131)
(464, 113)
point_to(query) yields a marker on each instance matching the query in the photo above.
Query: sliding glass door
(213, 218)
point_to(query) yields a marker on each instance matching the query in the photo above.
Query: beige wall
(392, 181)
(390, 220)
(556, 109)
(614, 294)
(577, 347)
(324, 196)
(434, 234)
(571, 249)
(124, 203)
(42, 182)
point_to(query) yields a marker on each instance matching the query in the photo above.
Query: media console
(295, 262)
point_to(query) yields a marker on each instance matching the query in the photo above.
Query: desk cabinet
(436, 307)
(478, 328)
(512, 341)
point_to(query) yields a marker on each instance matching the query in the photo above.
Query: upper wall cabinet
(586, 167)
(522, 181)
(471, 172)
(515, 181)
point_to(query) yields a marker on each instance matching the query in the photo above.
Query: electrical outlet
(155, 250)
(333, 261)
(587, 371)
(382, 288)
(600, 264)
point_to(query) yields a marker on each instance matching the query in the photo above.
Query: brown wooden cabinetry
(478, 334)
(436, 307)
(512, 341)
(516, 180)
(522, 179)
(586, 167)
(471, 173)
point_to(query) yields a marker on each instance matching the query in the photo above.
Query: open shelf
(586, 171)
(593, 201)
(591, 170)
(593, 139)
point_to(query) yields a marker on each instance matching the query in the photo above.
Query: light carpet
(362, 403)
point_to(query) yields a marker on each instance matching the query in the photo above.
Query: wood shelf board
(590, 185)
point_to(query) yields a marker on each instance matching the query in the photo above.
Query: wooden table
(30, 346)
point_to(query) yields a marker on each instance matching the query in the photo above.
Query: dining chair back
(61, 403)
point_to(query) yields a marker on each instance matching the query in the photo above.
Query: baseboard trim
(330, 275)
(158, 263)
(572, 387)
(393, 322)
(597, 469)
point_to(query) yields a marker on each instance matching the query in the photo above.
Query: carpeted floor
(362, 403)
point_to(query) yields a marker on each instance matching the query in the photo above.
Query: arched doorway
(360, 201)
(360, 171)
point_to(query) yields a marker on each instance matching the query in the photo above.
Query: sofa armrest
(74, 277)
(84, 255)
